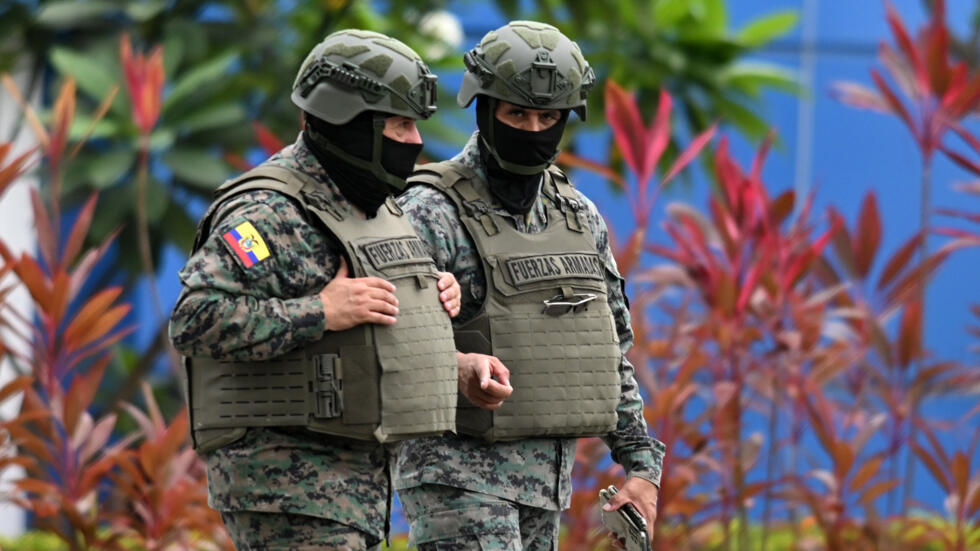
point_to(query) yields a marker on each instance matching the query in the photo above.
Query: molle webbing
(370, 382)
(546, 314)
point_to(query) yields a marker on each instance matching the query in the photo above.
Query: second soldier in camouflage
(540, 292)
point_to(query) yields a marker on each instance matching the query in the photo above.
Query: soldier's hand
(351, 301)
(476, 373)
(642, 494)
(450, 294)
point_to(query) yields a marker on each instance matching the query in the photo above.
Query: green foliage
(683, 46)
(236, 66)
(33, 541)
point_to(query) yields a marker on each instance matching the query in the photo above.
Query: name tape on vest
(395, 252)
(531, 269)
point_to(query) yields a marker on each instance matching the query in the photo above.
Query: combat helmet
(530, 64)
(353, 71)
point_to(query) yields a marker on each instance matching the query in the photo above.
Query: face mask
(516, 192)
(398, 158)
(515, 159)
(348, 154)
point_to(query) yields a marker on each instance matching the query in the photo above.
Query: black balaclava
(515, 159)
(365, 165)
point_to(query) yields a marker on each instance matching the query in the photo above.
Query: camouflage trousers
(444, 518)
(254, 531)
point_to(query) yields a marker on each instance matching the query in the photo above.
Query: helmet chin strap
(490, 144)
(374, 165)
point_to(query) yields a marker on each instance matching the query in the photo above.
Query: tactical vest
(545, 316)
(370, 382)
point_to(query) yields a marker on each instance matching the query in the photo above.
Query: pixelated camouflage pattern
(447, 518)
(536, 471)
(228, 311)
(278, 531)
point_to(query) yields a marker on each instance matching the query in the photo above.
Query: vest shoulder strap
(456, 181)
(559, 189)
(288, 182)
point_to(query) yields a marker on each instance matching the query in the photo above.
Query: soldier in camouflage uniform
(461, 492)
(288, 284)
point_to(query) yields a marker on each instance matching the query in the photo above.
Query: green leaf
(707, 21)
(764, 29)
(106, 169)
(743, 118)
(751, 77)
(197, 168)
(667, 13)
(157, 199)
(198, 76)
(70, 13)
(173, 53)
(144, 9)
(211, 117)
(103, 129)
(162, 139)
(91, 76)
(180, 226)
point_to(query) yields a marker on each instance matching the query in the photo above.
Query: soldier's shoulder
(423, 194)
(264, 205)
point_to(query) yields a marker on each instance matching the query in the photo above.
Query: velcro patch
(530, 269)
(247, 244)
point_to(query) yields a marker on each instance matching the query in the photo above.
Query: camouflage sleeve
(232, 311)
(434, 217)
(632, 447)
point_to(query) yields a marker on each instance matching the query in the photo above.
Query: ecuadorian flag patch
(247, 244)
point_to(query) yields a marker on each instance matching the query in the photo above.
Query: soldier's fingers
(378, 283)
(381, 319)
(450, 306)
(381, 294)
(451, 291)
(492, 406)
(497, 391)
(446, 280)
(342, 269)
(500, 371)
(616, 502)
(382, 307)
(483, 372)
(482, 401)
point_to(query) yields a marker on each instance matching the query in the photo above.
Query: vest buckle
(560, 304)
(481, 212)
(327, 385)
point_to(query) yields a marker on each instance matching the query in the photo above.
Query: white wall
(17, 232)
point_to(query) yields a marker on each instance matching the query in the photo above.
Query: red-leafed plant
(939, 93)
(853, 478)
(953, 474)
(162, 484)
(64, 443)
(66, 448)
(880, 309)
(642, 149)
(144, 77)
(756, 317)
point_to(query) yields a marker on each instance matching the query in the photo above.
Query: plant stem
(774, 406)
(142, 221)
(925, 212)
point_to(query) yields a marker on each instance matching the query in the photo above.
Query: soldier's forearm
(221, 326)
